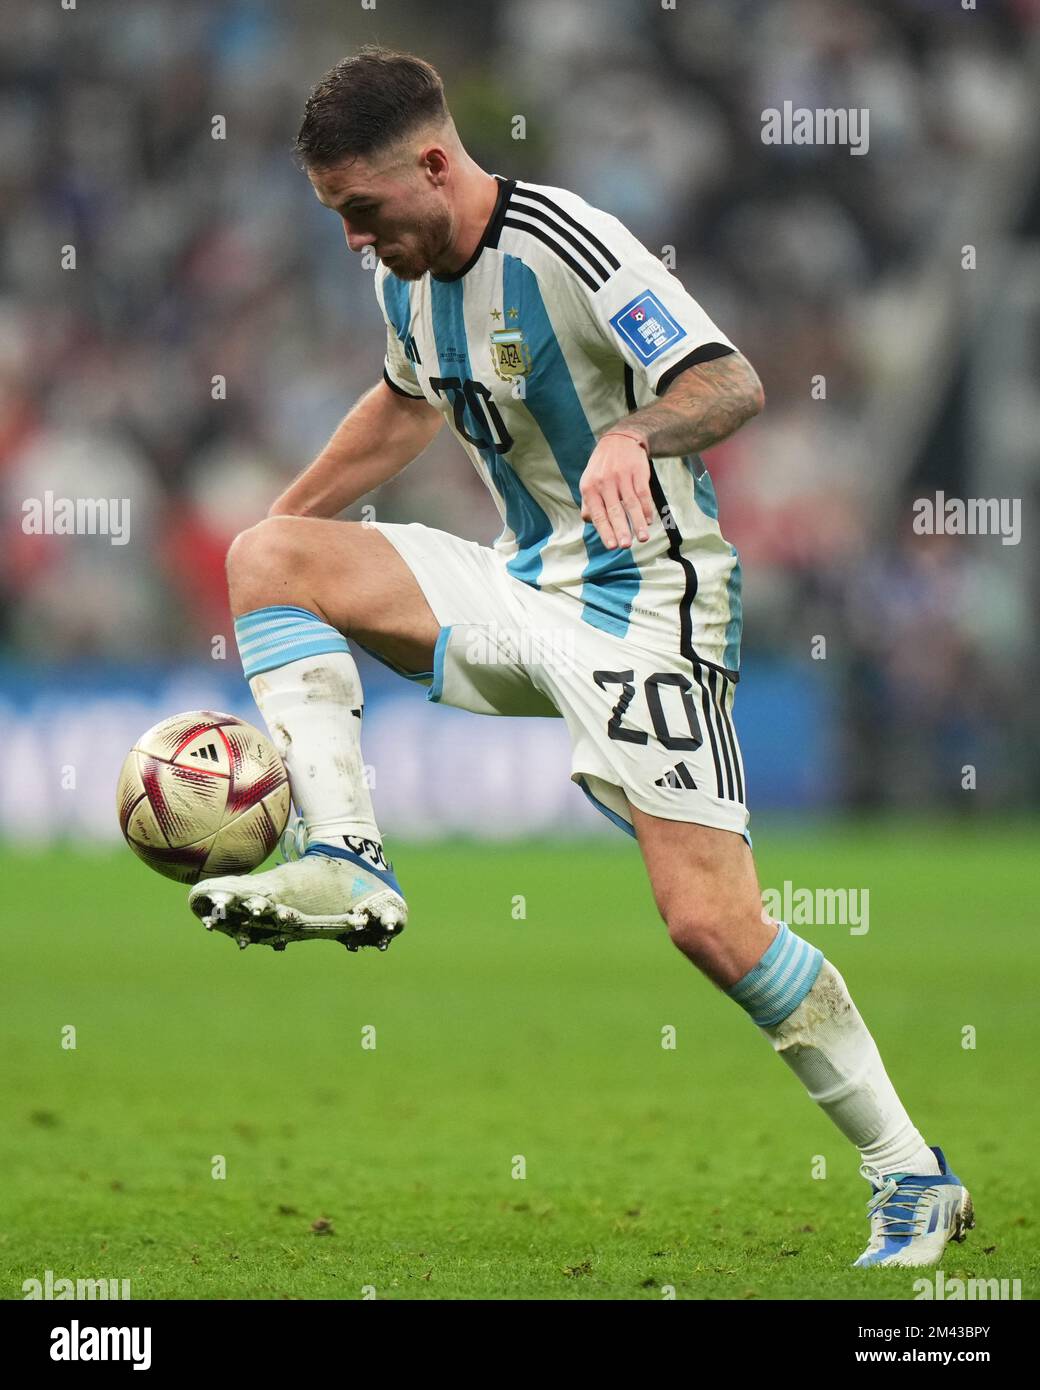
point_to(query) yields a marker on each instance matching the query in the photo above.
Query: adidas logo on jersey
(208, 753)
(678, 776)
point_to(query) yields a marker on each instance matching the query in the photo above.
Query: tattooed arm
(702, 406)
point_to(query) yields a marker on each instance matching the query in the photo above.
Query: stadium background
(198, 257)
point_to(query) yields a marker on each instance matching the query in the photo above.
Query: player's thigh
(388, 612)
(706, 889)
(347, 572)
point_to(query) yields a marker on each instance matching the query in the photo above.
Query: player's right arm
(389, 427)
(379, 437)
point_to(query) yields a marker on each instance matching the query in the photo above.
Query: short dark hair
(365, 103)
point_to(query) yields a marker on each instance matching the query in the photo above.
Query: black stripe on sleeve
(564, 256)
(400, 389)
(593, 261)
(708, 353)
(609, 256)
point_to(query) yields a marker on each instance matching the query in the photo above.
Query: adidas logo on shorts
(678, 776)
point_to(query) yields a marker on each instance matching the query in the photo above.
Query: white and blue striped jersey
(559, 325)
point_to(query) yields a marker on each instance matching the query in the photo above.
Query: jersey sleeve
(398, 372)
(644, 314)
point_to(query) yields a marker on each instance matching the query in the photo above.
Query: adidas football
(202, 794)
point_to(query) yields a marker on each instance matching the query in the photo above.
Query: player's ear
(435, 164)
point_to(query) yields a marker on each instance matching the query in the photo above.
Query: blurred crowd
(213, 327)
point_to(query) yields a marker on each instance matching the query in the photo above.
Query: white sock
(312, 708)
(826, 1044)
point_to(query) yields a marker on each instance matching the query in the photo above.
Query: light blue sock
(306, 684)
(271, 637)
(775, 987)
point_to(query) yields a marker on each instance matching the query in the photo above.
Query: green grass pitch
(500, 1037)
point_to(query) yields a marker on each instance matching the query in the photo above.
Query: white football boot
(331, 893)
(913, 1215)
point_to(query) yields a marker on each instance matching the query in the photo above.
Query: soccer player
(583, 381)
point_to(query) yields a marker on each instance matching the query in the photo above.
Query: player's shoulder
(555, 199)
(561, 234)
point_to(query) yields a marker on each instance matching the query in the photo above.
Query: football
(202, 794)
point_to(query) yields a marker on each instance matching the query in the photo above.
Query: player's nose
(357, 241)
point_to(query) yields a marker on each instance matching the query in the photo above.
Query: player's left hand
(615, 491)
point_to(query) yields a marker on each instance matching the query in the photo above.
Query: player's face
(406, 222)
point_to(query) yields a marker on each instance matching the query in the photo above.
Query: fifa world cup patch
(647, 327)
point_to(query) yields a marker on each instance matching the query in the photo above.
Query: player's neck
(478, 195)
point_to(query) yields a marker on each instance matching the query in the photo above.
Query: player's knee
(700, 932)
(275, 546)
(689, 929)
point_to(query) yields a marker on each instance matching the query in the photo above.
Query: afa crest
(510, 355)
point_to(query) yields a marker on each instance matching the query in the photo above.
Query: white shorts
(648, 728)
